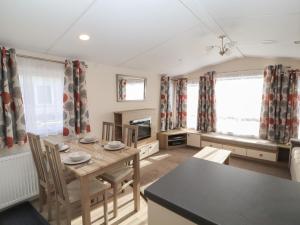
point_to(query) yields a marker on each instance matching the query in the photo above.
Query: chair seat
(118, 175)
(95, 186)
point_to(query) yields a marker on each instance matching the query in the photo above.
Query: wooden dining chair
(68, 195)
(108, 131)
(122, 177)
(46, 188)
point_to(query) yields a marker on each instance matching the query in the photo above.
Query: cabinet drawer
(235, 150)
(144, 152)
(262, 155)
(193, 140)
(211, 144)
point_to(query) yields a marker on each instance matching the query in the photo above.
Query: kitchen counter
(207, 193)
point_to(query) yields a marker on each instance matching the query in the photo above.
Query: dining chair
(46, 188)
(108, 131)
(68, 195)
(122, 177)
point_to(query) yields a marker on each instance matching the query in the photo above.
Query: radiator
(18, 179)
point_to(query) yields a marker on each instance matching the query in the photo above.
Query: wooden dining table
(101, 161)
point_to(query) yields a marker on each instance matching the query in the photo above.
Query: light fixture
(225, 47)
(84, 37)
(297, 42)
(268, 42)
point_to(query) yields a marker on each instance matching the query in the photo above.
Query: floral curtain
(181, 102)
(76, 114)
(279, 113)
(206, 121)
(12, 120)
(122, 89)
(165, 104)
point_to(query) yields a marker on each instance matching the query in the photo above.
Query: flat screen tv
(144, 126)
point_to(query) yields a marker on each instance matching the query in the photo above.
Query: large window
(192, 104)
(238, 104)
(42, 90)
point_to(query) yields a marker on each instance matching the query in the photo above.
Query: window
(135, 89)
(238, 104)
(192, 104)
(42, 90)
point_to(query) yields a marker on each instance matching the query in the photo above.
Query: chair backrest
(55, 165)
(108, 131)
(130, 135)
(39, 158)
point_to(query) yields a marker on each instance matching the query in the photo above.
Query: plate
(64, 148)
(83, 141)
(68, 161)
(107, 147)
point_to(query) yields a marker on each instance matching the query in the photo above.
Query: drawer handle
(261, 155)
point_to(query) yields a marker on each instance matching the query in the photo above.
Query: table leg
(85, 201)
(136, 182)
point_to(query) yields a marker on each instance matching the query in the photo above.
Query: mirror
(130, 88)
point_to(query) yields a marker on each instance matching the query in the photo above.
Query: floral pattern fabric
(76, 114)
(165, 104)
(122, 89)
(206, 121)
(12, 120)
(279, 113)
(181, 102)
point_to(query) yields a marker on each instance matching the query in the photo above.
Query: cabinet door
(193, 140)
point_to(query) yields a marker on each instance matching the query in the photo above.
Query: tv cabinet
(172, 139)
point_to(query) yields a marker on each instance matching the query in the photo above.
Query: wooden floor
(152, 169)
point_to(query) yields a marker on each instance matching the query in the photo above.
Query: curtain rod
(42, 59)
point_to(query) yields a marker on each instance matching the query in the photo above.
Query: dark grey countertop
(208, 193)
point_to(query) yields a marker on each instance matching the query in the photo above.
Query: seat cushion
(118, 175)
(95, 186)
(296, 152)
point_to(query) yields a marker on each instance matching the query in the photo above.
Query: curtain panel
(76, 114)
(122, 89)
(12, 120)
(279, 112)
(181, 102)
(206, 121)
(165, 104)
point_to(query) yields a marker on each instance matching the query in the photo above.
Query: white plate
(83, 141)
(68, 161)
(109, 148)
(64, 148)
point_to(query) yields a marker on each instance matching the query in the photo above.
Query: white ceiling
(165, 36)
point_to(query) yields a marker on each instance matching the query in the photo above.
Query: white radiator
(18, 179)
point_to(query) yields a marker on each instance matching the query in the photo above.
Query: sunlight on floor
(160, 157)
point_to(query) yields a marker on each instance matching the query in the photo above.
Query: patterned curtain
(206, 121)
(279, 113)
(76, 114)
(122, 89)
(12, 120)
(181, 98)
(165, 104)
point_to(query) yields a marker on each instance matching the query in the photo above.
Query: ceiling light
(224, 47)
(84, 37)
(268, 42)
(297, 42)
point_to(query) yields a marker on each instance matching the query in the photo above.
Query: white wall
(101, 84)
(245, 64)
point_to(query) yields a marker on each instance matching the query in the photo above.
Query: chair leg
(41, 198)
(69, 218)
(105, 208)
(115, 199)
(49, 205)
(57, 213)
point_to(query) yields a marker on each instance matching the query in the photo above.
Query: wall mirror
(130, 88)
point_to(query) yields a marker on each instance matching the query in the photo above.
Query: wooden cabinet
(235, 150)
(194, 140)
(172, 139)
(211, 144)
(270, 156)
(148, 149)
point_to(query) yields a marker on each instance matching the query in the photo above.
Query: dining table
(101, 161)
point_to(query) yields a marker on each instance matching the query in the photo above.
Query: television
(144, 127)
